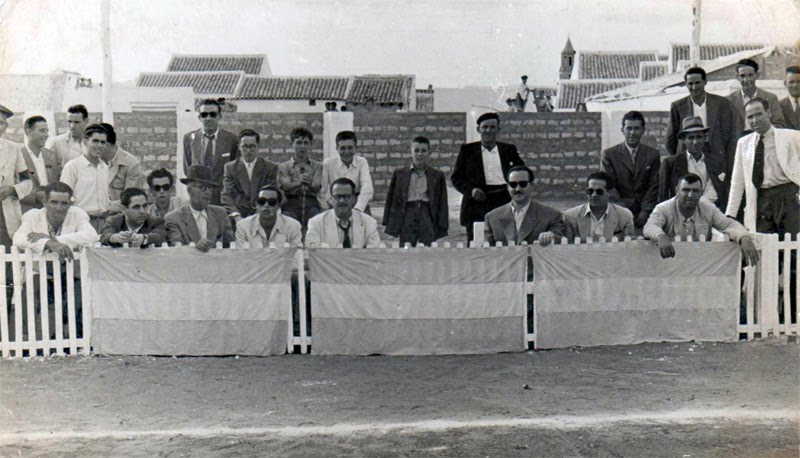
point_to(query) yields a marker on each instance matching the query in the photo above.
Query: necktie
(633, 155)
(208, 156)
(797, 113)
(345, 227)
(758, 163)
(202, 225)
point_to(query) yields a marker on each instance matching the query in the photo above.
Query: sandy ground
(671, 400)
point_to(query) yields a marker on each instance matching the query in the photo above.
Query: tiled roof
(572, 92)
(250, 64)
(680, 51)
(650, 70)
(201, 82)
(304, 87)
(382, 89)
(425, 100)
(611, 65)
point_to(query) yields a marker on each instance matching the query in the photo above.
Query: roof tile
(293, 88)
(250, 64)
(611, 65)
(680, 51)
(572, 92)
(650, 70)
(381, 89)
(201, 82)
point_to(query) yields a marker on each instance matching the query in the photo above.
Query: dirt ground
(670, 400)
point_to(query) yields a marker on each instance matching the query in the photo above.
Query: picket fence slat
(58, 307)
(5, 349)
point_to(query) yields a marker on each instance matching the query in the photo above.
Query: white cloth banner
(625, 293)
(422, 301)
(178, 301)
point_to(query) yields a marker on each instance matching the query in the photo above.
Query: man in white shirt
(522, 94)
(268, 225)
(347, 165)
(43, 164)
(87, 175)
(15, 184)
(71, 144)
(343, 226)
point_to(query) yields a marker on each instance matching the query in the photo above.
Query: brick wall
(657, 123)
(150, 136)
(274, 129)
(384, 140)
(560, 148)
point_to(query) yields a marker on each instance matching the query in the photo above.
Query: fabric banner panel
(179, 301)
(418, 302)
(625, 293)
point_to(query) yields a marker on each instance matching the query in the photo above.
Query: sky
(447, 43)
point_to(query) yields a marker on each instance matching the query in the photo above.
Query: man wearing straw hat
(199, 221)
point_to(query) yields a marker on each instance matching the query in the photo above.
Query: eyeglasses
(206, 114)
(521, 184)
(599, 192)
(272, 202)
(162, 187)
(342, 196)
(248, 146)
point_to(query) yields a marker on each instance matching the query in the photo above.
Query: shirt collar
(196, 213)
(134, 229)
(523, 209)
(631, 150)
(415, 169)
(589, 212)
(216, 132)
(492, 151)
(691, 158)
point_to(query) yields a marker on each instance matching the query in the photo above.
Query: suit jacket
(397, 197)
(286, 230)
(239, 192)
(792, 119)
(674, 167)
(776, 114)
(227, 149)
(787, 146)
(719, 112)
(468, 174)
(636, 185)
(618, 223)
(182, 228)
(324, 228)
(706, 217)
(501, 227)
(153, 227)
(52, 165)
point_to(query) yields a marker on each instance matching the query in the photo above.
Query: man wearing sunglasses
(245, 176)
(160, 183)
(199, 222)
(268, 225)
(523, 219)
(210, 145)
(597, 217)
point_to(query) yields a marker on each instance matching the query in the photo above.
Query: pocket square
(225, 155)
(721, 176)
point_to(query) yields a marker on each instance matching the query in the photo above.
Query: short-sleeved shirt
(89, 184)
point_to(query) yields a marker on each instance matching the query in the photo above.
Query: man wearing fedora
(199, 221)
(709, 167)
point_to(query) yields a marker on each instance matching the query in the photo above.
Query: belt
(783, 187)
(493, 189)
(417, 204)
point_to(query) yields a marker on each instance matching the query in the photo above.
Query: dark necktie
(345, 227)
(758, 163)
(208, 156)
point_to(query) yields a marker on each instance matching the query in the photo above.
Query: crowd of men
(80, 187)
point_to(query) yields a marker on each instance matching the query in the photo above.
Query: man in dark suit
(480, 170)
(747, 74)
(43, 164)
(245, 176)
(134, 225)
(715, 111)
(199, 222)
(710, 168)
(634, 167)
(790, 105)
(523, 219)
(416, 204)
(210, 146)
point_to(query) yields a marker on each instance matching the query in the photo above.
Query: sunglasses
(162, 187)
(272, 202)
(521, 184)
(206, 114)
(599, 192)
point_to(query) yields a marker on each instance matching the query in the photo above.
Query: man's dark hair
(794, 69)
(160, 173)
(421, 139)
(95, 129)
(487, 116)
(633, 116)
(747, 63)
(30, 122)
(300, 132)
(763, 103)
(249, 133)
(604, 176)
(520, 168)
(346, 135)
(56, 186)
(695, 71)
(344, 180)
(129, 193)
(79, 109)
(112, 134)
(690, 178)
(272, 187)
(214, 102)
